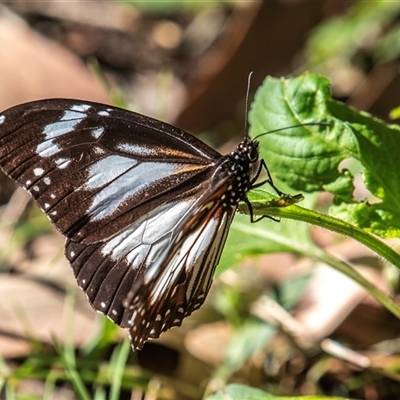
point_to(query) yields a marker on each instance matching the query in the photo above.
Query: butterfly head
(241, 166)
(246, 151)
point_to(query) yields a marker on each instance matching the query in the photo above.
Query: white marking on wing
(198, 254)
(135, 149)
(47, 148)
(64, 125)
(98, 132)
(106, 170)
(62, 162)
(47, 180)
(104, 113)
(2, 119)
(98, 150)
(147, 238)
(122, 178)
(80, 107)
(38, 171)
(190, 254)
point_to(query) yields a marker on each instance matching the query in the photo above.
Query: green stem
(333, 224)
(383, 298)
(297, 213)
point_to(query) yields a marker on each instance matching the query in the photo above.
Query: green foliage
(264, 237)
(242, 392)
(370, 28)
(309, 158)
(173, 6)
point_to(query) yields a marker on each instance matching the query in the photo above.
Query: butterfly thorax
(241, 166)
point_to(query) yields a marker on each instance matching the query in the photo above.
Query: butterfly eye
(253, 153)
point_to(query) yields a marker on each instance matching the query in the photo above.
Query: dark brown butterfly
(145, 207)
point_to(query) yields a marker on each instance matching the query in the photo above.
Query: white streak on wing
(47, 148)
(119, 245)
(98, 132)
(216, 246)
(198, 254)
(135, 149)
(164, 218)
(80, 107)
(106, 170)
(2, 119)
(104, 113)
(192, 252)
(62, 162)
(64, 125)
(147, 238)
(122, 178)
(157, 228)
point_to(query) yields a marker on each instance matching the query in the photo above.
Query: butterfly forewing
(145, 206)
(94, 168)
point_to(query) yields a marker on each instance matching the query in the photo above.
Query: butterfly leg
(269, 180)
(254, 220)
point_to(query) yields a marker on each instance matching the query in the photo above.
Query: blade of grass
(117, 365)
(67, 358)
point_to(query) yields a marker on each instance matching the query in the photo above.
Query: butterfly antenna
(246, 115)
(293, 126)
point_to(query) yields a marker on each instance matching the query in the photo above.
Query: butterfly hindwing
(173, 283)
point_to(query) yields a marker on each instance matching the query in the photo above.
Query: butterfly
(145, 207)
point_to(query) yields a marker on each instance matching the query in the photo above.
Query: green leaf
(368, 26)
(264, 237)
(242, 392)
(309, 158)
